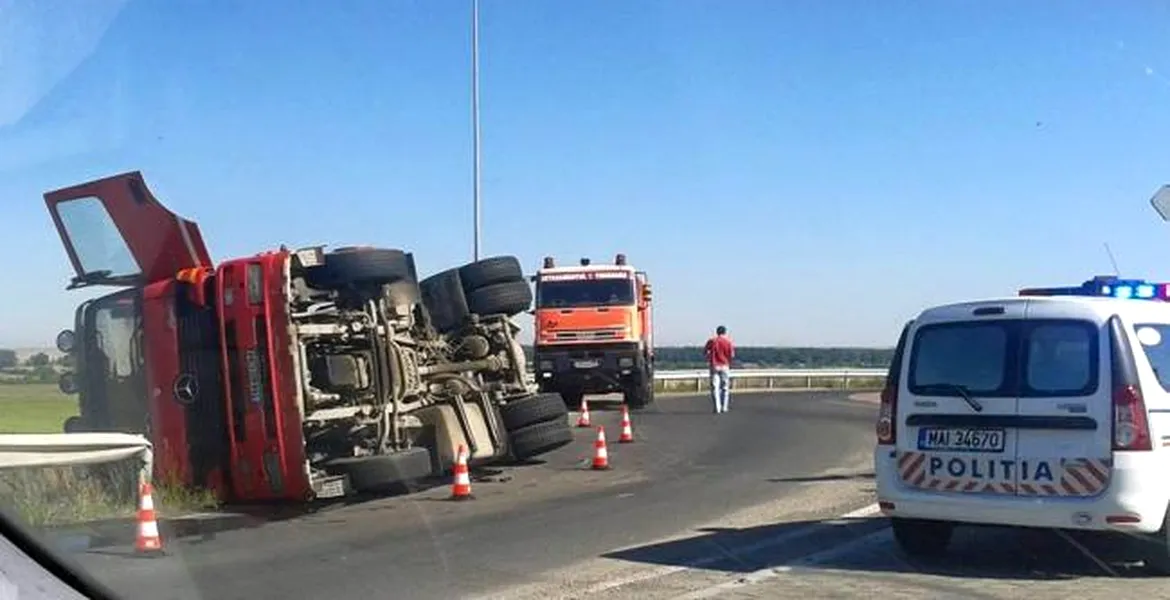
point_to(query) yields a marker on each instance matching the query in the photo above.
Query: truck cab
(594, 331)
(289, 374)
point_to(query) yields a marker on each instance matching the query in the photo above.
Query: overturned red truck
(291, 374)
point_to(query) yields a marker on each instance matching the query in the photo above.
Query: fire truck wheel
(510, 298)
(371, 473)
(490, 271)
(535, 409)
(360, 265)
(572, 399)
(540, 438)
(442, 294)
(641, 394)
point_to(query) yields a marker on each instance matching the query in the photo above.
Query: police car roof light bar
(1108, 286)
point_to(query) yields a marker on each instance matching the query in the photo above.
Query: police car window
(1060, 359)
(1154, 339)
(972, 355)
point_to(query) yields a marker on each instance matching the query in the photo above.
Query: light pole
(475, 121)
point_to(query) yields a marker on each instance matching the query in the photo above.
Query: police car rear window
(1155, 342)
(1034, 358)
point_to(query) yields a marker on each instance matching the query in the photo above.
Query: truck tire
(538, 408)
(442, 294)
(348, 266)
(641, 393)
(572, 399)
(541, 438)
(490, 271)
(372, 473)
(510, 298)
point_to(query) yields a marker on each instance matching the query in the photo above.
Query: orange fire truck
(594, 331)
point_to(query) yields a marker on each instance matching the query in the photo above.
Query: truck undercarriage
(380, 380)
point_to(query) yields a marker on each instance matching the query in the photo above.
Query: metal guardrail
(767, 378)
(72, 449)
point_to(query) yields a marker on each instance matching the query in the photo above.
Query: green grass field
(34, 408)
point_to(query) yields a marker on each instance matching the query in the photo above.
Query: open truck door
(116, 233)
(142, 347)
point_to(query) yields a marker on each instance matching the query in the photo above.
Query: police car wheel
(1156, 550)
(921, 538)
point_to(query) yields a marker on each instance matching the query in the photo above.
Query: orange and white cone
(627, 428)
(148, 540)
(583, 420)
(461, 488)
(600, 453)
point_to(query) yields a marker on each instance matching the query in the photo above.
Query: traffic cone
(627, 428)
(583, 420)
(600, 453)
(461, 488)
(148, 541)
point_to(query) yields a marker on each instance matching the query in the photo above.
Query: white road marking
(699, 563)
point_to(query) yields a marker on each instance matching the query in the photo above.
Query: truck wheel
(642, 393)
(540, 438)
(921, 538)
(510, 298)
(572, 399)
(538, 408)
(490, 271)
(361, 266)
(443, 296)
(371, 473)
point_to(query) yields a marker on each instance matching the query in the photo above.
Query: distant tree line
(37, 368)
(749, 357)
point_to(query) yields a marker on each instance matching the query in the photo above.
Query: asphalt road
(688, 467)
(774, 499)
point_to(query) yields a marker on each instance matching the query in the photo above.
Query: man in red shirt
(720, 351)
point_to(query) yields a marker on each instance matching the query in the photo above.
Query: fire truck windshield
(113, 379)
(95, 239)
(585, 292)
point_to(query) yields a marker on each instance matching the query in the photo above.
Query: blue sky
(804, 172)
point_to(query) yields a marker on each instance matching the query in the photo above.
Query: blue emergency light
(1108, 286)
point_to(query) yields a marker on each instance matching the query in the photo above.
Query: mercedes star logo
(186, 388)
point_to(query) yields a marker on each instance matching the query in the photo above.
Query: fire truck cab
(594, 331)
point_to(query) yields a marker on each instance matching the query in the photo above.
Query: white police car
(1051, 409)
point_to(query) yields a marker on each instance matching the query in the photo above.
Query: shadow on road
(868, 546)
(818, 478)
